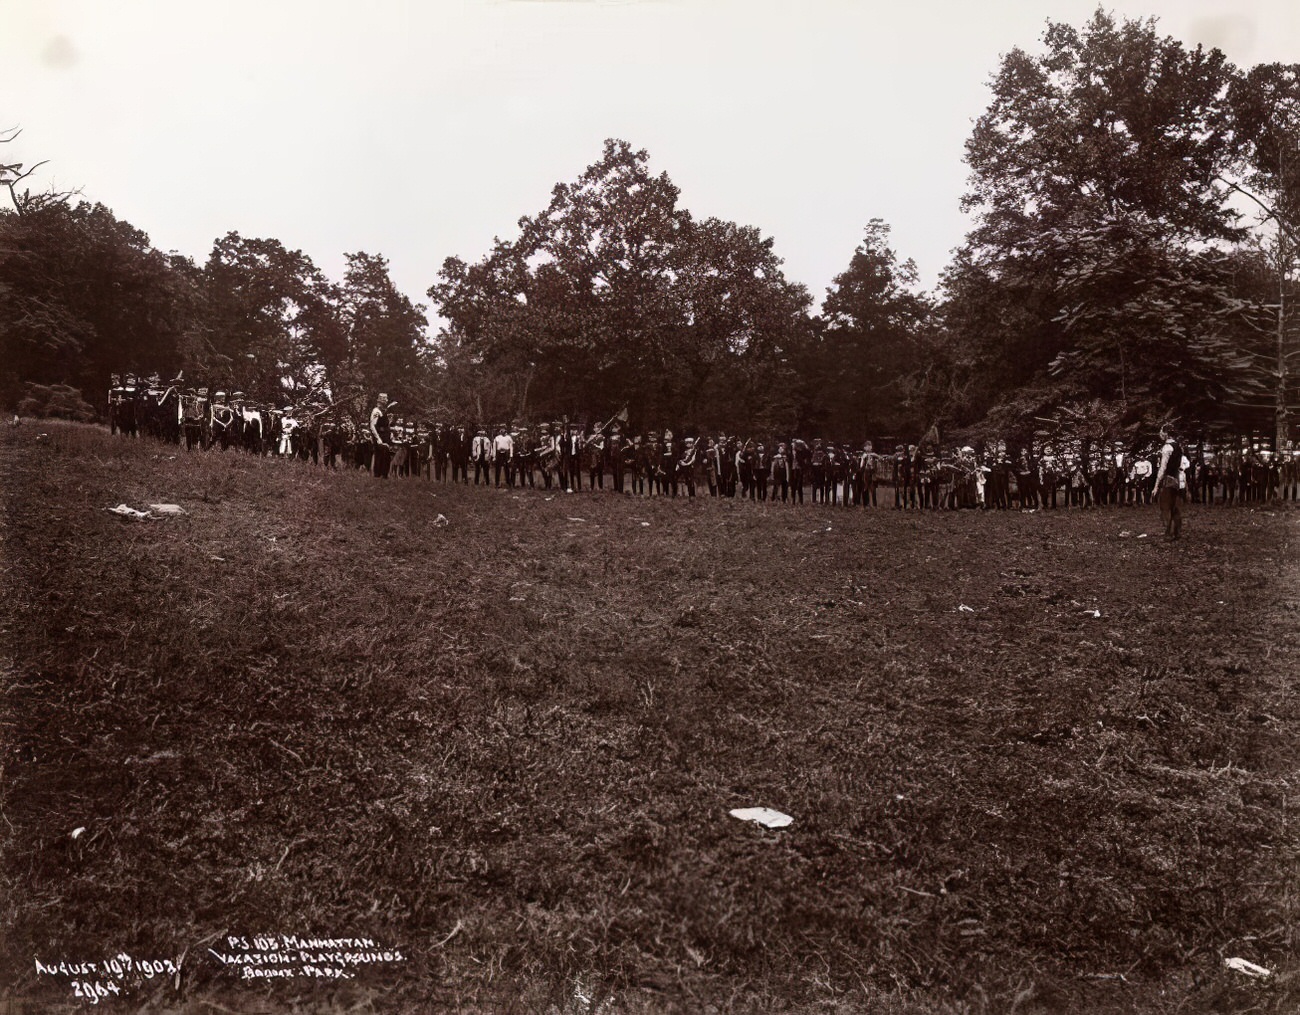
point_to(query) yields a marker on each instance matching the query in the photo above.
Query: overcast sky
(422, 130)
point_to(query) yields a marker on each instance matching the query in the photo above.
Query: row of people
(566, 455)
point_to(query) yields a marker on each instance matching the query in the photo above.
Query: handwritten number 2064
(94, 991)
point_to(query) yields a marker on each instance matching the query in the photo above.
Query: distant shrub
(60, 401)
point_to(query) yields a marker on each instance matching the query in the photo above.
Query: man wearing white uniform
(1140, 477)
(503, 451)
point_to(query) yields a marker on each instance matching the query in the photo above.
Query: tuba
(548, 454)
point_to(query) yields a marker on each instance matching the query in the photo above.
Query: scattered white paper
(963, 608)
(440, 521)
(167, 509)
(1247, 967)
(763, 815)
(127, 511)
(76, 832)
(1093, 613)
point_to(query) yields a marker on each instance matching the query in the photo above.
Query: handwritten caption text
(286, 956)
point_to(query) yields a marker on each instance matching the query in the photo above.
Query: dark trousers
(1170, 501)
(380, 461)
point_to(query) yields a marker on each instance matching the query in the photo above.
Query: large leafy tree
(267, 320)
(1265, 103)
(83, 295)
(1111, 119)
(1100, 175)
(1150, 321)
(875, 321)
(1264, 291)
(380, 343)
(614, 295)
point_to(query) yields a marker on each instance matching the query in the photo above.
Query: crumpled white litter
(763, 815)
(168, 509)
(440, 521)
(963, 608)
(1247, 967)
(126, 511)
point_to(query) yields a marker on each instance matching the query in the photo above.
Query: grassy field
(508, 746)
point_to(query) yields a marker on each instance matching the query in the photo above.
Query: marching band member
(593, 450)
(481, 453)
(780, 474)
(503, 450)
(686, 467)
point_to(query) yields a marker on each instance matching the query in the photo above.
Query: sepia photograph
(622, 507)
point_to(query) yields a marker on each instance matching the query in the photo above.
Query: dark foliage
(55, 401)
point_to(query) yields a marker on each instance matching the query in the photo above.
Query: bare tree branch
(1271, 212)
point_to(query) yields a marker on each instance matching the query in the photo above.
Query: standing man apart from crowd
(379, 434)
(1170, 483)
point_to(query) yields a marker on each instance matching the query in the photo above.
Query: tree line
(1133, 256)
